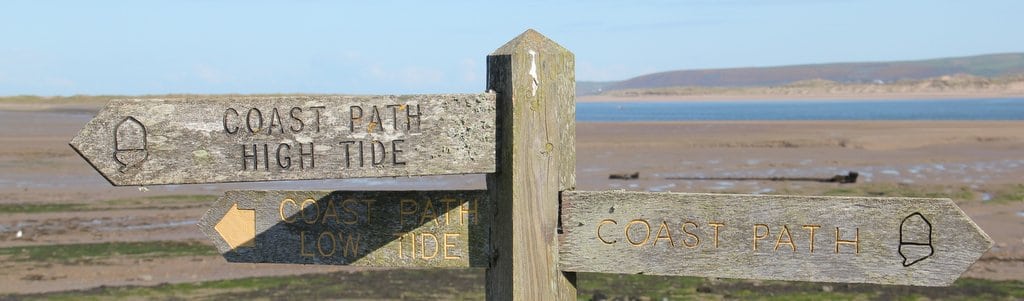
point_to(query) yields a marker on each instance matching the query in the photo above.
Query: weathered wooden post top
(529, 228)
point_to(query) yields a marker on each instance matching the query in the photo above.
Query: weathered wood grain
(360, 228)
(907, 241)
(533, 77)
(232, 139)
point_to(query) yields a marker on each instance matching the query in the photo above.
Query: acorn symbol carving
(129, 143)
(915, 239)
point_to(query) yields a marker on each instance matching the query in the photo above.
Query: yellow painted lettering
(368, 203)
(351, 248)
(716, 225)
(757, 237)
(810, 233)
(448, 209)
(302, 245)
(280, 210)
(315, 211)
(330, 211)
(855, 242)
(351, 217)
(466, 210)
(647, 231)
(695, 238)
(412, 244)
(601, 224)
(423, 245)
(789, 239)
(320, 240)
(454, 237)
(401, 240)
(429, 213)
(402, 212)
(668, 234)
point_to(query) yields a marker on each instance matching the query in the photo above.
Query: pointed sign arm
(266, 138)
(906, 241)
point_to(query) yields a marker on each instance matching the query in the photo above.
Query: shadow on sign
(387, 228)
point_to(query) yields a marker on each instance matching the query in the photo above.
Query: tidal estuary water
(953, 109)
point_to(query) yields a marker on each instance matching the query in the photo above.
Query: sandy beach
(978, 164)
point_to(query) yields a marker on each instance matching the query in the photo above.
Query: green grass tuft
(468, 284)
(87, 253)
(957, 193)
(163, 200)
(1013, 193)
(39, 208)
(153, 202)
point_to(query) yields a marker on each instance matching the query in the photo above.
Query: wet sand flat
(977, 163)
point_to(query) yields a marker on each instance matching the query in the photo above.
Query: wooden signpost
(536, 85)
(907, 241)
(362, 228)
(529, 228)
(232, 139)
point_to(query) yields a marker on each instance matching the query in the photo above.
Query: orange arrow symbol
(238, 227)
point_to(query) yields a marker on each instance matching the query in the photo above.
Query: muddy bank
(978, 164)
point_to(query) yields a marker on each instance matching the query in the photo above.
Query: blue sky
(399, 47)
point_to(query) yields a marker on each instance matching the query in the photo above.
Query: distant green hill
(991, 65)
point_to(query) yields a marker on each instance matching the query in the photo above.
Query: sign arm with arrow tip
(263, 138)
(906, 241)
(360, 228)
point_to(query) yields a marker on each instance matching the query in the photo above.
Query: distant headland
(984, 76)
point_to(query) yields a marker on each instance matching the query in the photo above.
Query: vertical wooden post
(536, 84)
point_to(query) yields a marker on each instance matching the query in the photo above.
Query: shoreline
(809, 97)
(91, 105)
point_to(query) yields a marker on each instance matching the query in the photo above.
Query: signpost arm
(535, 81)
